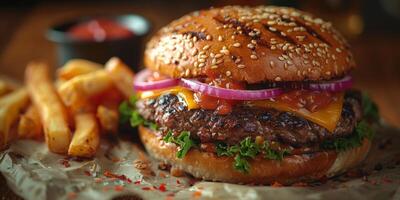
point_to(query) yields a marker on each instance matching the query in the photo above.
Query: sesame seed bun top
(251, 44)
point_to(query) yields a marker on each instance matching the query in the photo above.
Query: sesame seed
(278, 78)
(237, 60)
(194, 39)
(214, 66)
(250, 46)
(285, 47)
(203, 30)
(212, 55)
(206, 47)
(228, 73)
(300, 37)
(289, 62)
(220, 38)
(281, 58)
(208, 37)
(191, 44)
(194, 52)
(273, 47)
(202, 60)
(283, 34)
(271, 64)
(338, 50)
(202, 64)
(272, 28)
(218, 55)
(237, 44)
(187, 72)
(241, 66)
(179, 55)
(285, 66)
(219, 62)
(271, 22)
(254, 57)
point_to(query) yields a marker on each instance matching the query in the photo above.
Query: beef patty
(169, 112)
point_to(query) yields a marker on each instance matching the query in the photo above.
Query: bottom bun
(294, 168)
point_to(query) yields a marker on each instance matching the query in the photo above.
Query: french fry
(52, 111)
(86, 136)
(3, 88)
(108, 118)
(10, 107)
(76, 67)
(79, 89)
(29, 125)
(121, 75)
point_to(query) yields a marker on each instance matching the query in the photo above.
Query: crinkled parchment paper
(34, 173)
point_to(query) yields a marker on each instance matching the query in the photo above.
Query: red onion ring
(141, 84)
(224, 93)
(332, 86)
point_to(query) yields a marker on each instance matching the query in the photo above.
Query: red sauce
(310, 100)
(221, 106)
(99, 30)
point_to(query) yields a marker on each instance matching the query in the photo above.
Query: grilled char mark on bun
(250, 44)
(208, 166)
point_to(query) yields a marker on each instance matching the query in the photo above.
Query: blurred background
(371, 26)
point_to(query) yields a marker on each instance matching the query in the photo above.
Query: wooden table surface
(377, 55)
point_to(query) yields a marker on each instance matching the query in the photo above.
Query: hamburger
(251, 95)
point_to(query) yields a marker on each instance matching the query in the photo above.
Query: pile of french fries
(70, 113)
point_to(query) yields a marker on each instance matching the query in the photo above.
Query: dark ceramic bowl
(129, 49)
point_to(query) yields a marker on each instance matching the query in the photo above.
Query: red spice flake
(122, 177)
(65, 163)
(137, 182)
(177, 181)
(169, 198)
(72, 195)
(106, 188)
(300, 184)
(119, 188)
(115, 159)
(146, 188)
(87, 173)
(373, 182)
(196, 194)
(162, 187)
(386, 180)
(98, 180)
(276, 184)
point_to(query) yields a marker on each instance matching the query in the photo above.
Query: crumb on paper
(177, 172)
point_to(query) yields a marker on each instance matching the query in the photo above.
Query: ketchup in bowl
(99, 30)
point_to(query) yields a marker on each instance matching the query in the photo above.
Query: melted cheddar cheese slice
(184, 93)
(327, 117)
